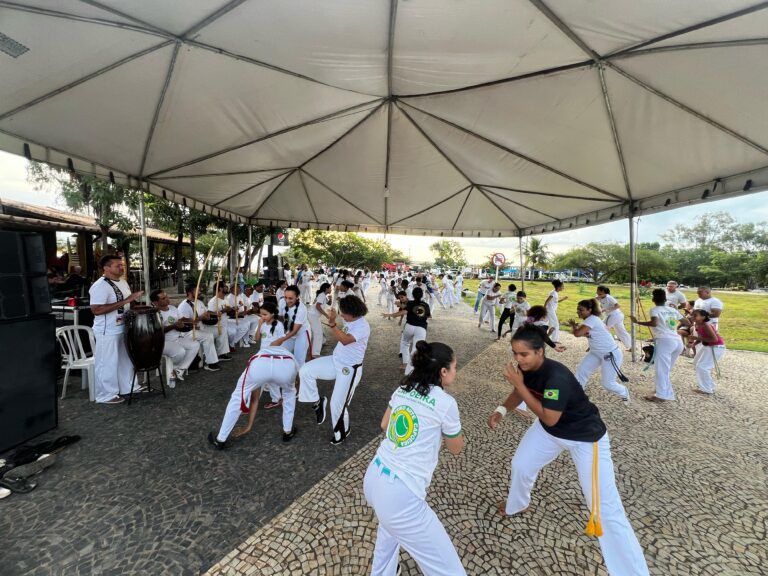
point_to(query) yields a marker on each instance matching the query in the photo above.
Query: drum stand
(147, 381)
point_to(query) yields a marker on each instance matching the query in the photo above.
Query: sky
(751, 208)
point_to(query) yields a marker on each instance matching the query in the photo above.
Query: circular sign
(498, 259)
(280, 236)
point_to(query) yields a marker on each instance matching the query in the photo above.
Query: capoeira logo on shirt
(403, 426)
(419, 310)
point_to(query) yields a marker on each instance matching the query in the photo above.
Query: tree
(341, 249)
(448, 254)
(536, 254)
(598, 261)
(112, 206)
(707, 231)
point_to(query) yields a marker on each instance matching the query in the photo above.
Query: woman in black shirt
(567, 420)
(416, 314)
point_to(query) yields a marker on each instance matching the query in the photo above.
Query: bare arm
(99, 309)
(455, 445)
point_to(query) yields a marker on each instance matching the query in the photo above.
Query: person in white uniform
(551, 305)
(712, 305)
(180, 349)
(244, 322)
(383, 287)
(110, 297)
(458, 287)
(675, 297)
(271, 365)
(316, 311)
(306, 285)
(191, 308)
(449, 298)
(294, 315)
(416, 313)
(218, 305)
(420, 418)
(614, 317)
(521, 308)
(482, 288)
(566, 420)
(603, 355)
(712, 350)
(366, 282)
(667, 344)
(344, 366)
(488, 307)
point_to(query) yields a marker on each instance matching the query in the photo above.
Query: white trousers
(260, 372)
(554, 323)
(112, 367)
(487, 309)
(299, 345)
(664, 357)
(594, 360)
(236, 330)
(253, 323)
(447, 295)
(406, 520)
(615, 320)
(382, 293)
(181, 350)
(206, 342)
(621, 550)
(317, 334)
(221, 340)
(346, 380)
(390, 303)
(704, 362)
(411, 334)
(305, 291)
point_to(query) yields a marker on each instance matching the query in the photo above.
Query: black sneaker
(225, 358)
(195, 366)
(336, 442)
(320, 409)
(288, 436)
(212, 367)
(214, 442)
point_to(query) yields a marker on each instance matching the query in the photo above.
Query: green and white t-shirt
(668, 318)
(416, 428)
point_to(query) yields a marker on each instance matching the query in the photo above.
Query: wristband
(501, 410)
(332, 325)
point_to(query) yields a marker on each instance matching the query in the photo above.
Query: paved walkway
(692, 475)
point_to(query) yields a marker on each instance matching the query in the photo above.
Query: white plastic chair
(74, 357)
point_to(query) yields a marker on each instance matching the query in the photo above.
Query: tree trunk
(178, 256)
(192, 251)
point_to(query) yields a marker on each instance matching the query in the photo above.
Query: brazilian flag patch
(552, 394)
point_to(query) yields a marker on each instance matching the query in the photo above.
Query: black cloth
(417, 313)
(557, 389)
(506, 313)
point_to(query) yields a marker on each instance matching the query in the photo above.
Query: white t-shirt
(170, 317)
(492, 297)
(267, 337)
(675, 298)
(241, 305)
(510, 298)
(600, 339)
(353, 354)
(256, 298)
(416, 428)
(102, 293)
(709, 304)
(300, 317)
(521, 314)
(484, 286)
(216, 304)
(552, 304)
(186, 311)
(321, 299)
(280, 294)
(668, 318)
(608, 303)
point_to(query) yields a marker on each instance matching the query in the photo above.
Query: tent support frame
(614, 130)
(306, 193)
(432, 206)
(355, 206)
(549, 194)
(632, 280)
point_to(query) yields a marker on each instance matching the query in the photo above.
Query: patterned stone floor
(144, 493)
(692, 475)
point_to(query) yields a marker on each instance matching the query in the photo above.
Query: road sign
(498, 259)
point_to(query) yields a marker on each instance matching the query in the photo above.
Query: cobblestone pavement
(144, 493)
(692, 475)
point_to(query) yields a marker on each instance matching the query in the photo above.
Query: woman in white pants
(666, 342)
(614, 317)
(345, 367)
(416, 315)
(488, 306)
(420, 417)
(551, 305)
(294, 314)
(268, 366)
(603, 353)
(315, 312)
(712, 350)
(567, 420)
(447, 292)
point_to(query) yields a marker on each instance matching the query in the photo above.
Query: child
(270, 366)
(508, 311)
(551, 305)
(708, 357)
(420, 418)
(344, 366)
(488, 307)
(417, 313)
(614, 317)
(520, 309)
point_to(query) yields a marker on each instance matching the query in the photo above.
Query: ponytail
(428, 360)
(592, 305)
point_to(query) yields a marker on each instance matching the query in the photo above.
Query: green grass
(744, 318)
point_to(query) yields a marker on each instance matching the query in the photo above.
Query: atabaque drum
(144, 337)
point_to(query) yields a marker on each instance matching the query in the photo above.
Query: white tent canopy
(457, 118)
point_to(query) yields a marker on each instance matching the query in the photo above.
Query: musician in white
(180, 350)
(242, 305)
(205, 331)
(218, 305)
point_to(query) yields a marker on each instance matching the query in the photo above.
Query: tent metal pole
(144, 243)
(632, 280)
(522, 272)
(248, 253)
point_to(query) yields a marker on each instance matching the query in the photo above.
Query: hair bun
(423, 347)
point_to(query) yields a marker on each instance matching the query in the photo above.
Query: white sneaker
(179, 374)
(244, 345)
(172, 383)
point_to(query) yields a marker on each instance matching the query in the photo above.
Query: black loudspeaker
(23, 283)
(28, 385)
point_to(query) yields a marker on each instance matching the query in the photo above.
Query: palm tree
(536, 254)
